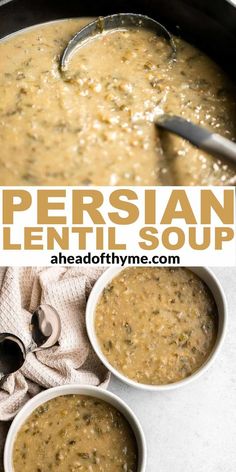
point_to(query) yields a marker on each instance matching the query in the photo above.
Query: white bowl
(211, 281)
(46, 395)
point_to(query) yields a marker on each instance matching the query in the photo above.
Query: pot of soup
(95, 126)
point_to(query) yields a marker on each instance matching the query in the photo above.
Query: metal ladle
(118, 21)
(45, 328)
(200, 137)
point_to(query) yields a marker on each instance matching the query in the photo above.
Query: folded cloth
(73, 360)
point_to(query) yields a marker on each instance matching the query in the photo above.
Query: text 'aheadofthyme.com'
(158, 225)
(112, 258)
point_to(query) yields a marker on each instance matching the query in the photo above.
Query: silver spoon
(112, 22)
(200, 137)
(45, 328)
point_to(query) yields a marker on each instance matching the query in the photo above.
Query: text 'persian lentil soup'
(75, 433)
(156, 325)
(94, 126)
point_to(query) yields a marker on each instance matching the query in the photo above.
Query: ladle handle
(220, 145)
(200, 137)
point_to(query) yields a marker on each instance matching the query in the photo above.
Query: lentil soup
(75, 433)
(94, 126)
(156, 325)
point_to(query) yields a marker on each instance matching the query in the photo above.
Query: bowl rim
(71, 389)
(216, 289)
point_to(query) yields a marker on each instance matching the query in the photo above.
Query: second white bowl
(96, 392)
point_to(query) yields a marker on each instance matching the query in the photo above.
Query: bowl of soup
(157, 328)
(73, 428)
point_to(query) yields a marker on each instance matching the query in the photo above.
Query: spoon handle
(200, 137)
(3, 379)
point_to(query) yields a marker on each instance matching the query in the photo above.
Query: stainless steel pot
(210, 25)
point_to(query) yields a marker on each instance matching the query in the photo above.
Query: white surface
(193, 429)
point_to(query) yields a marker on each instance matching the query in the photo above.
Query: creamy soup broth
(156, 326)
(75, 433)
(94, 125)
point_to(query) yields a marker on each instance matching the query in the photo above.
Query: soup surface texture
(75, 433)
(156, 326)
(94, 125)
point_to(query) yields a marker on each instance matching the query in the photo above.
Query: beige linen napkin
(73, 361)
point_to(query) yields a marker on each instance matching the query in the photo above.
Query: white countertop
(193, 429)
